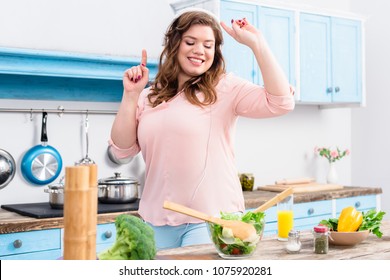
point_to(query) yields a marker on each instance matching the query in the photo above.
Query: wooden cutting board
(302, 188)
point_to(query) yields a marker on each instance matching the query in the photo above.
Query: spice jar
(294, 243)
(321, 243)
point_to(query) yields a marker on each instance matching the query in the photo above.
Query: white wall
(370, 126)
(271, 148)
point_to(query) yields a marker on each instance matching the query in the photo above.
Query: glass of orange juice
(285, 217)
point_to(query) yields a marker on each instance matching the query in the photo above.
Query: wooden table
(373, 248)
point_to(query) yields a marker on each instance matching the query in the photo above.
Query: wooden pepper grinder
(76, 212)
(92, 212)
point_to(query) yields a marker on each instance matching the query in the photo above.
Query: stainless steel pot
(56, 194)
(118, 189)
(7, 168)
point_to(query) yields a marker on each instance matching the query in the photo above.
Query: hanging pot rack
(59, 111)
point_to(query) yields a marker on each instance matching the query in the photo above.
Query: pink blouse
(188, 150)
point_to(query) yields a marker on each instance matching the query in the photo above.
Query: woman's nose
(198, 49)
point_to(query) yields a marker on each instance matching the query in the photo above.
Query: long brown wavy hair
(165, 85)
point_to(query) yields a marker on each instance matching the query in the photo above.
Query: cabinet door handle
(357, 204)
(310, 211)
(329, 90)
(336, 89)
(17, 243)
(108, 234)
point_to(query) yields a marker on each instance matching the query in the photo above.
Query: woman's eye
(190, 43)
(208, 46)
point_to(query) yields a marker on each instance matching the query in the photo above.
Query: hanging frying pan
(41, 164)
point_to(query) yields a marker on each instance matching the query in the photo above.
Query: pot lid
(57, 186)
(117, 180)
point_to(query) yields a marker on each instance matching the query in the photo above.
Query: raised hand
(136, 77)
(243, 32)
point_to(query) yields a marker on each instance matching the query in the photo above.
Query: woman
(184, 123)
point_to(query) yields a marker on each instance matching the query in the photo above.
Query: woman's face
(196, 52)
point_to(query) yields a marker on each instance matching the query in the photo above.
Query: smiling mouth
(196, 61)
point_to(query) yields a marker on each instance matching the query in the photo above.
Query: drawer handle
(17, 243)
(357, 204)
(310, 211)
(108, 234)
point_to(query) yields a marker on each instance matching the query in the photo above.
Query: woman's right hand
(136, 77)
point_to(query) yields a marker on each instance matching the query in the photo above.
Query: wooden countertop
(256, 198)
(11, 222)
(373, 248)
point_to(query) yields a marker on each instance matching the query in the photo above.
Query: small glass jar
(321, 242)
(247, 181)
(293, 245)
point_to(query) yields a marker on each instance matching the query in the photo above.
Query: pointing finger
(144, 58)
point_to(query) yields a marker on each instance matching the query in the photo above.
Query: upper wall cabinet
(278, 27)
(330, 60)
(321, 54)
(48, 75)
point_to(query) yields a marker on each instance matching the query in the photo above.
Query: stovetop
(42, 210)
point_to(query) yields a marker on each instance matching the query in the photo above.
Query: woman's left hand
(243, 32)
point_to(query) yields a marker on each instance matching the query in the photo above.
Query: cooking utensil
(86, 160)
(118, 189)
(7, 168)
(56, 194)
(275, 200)
(241, 230)
(41, 164)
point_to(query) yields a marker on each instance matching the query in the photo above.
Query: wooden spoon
(275, 200)
(241, 230)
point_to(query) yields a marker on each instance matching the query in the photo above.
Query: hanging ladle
(241, 230)
(86, 160)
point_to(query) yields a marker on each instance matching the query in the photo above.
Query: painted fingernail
(232, 20)
(136, 80)
(143, 64)
(131, 79)
(139, 77)
(243, 23)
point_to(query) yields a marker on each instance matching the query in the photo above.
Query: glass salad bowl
(229, 247)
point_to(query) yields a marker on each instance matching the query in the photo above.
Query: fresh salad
(223, 237)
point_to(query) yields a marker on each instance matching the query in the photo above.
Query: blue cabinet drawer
(105, 233)
(30, 241)
(44, 255)
(312, 209)
(361, 203)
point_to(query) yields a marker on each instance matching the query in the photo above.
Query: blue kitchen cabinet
(239, 58)
(362, 203)
(47, 244)
(31, 245)
(330, 60)
(105, 237)
(278, 27)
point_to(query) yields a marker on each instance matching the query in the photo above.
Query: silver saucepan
(56, 194)
(118, 189)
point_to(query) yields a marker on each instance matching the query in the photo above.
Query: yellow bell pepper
(350, 220)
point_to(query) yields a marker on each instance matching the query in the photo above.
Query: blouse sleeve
(254, 101)
(132, 151)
